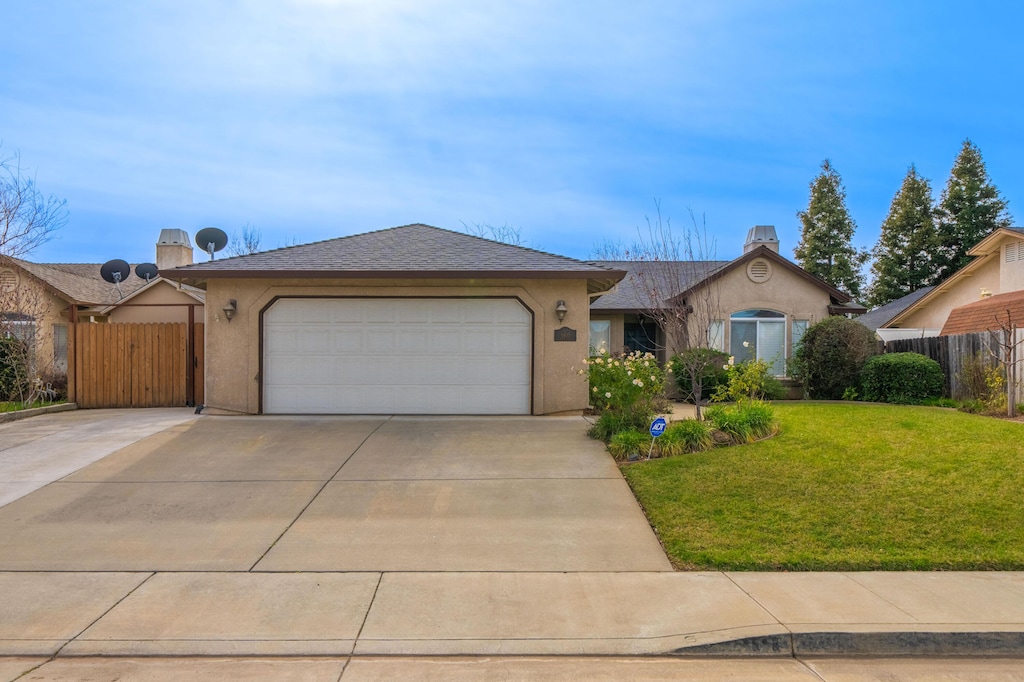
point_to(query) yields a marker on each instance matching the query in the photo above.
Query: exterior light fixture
(230, 309)
(561, 310)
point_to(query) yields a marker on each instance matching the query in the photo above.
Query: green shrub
(760, 417)
(688, 435)
(831, 355)
(751, 380)
(625, 443)
(903, 378)
(610, 423)
(13, 370)
(630, 387)
(706, 364)
(730, 422)
(744, 422)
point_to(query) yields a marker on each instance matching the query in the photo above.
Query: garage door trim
(275, 299)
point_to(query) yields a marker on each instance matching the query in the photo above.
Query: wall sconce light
(230, 309)
(561, 310)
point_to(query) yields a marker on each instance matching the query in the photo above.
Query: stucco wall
(31, 298)
(1011, 276)
(784, 292)
(161, 293)
(964, 290)
(233, 348)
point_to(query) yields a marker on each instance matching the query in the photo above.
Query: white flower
(594, 389)
(629, 373)
(732, 360)
(746, 344)
(647, 363)
(652, 378)
(636, 382)
(607, 395)
(639, 383)
(725, 366)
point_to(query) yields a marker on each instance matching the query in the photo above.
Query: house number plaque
(565, 334)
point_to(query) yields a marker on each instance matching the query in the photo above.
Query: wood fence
(135, 365)
(954, 352)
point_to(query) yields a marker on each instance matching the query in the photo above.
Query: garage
(397, 356)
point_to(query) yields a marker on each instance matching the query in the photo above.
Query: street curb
(36, 411)
(867, 644)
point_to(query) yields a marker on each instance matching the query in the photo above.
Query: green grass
(16, 406)
(846, 486)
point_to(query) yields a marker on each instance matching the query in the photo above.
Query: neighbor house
(758, 305)
(408, 320)
(996, 268)
(38, 300)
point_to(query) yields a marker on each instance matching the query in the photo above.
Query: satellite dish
(116, 271)
(146, 271)
(211, 240)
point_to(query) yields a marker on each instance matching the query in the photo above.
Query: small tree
(670, 282)
(28, 218)
(906, 247)
(825, 247)
(1005, 345)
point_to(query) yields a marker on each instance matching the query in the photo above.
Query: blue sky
(312, 119)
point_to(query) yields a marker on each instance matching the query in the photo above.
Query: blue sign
(658, 426)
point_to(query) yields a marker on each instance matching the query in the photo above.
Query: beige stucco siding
(784, 292)
(233, 348)
(1011, 276)
(933, 312)
(158, 295)
(36, 300)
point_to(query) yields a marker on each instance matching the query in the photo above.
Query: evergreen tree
(825, 247)
(969, 210)
(904, 252)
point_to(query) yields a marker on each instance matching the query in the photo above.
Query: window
(640, 337)
(600, 336)
(759, 335)
(716, 335)
(799, 329)
(60, 347)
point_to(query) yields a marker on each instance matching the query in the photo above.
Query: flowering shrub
(750, 380)
(628, 387)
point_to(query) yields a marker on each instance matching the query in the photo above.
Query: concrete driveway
(283, 494)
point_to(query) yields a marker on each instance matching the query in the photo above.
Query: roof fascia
(940, 288)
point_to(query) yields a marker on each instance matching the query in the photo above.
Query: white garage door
(396, 356)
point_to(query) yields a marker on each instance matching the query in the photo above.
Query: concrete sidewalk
(342, 614)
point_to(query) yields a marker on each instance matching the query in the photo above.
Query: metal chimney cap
(173, 237)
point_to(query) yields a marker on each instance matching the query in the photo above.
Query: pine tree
(904, 252)
(969, 210)
(825, 247)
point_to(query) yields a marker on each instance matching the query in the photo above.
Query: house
(759, 304)
(407, 320)
(38, 300)
(991, 313)
(996, 268)
(876, 318)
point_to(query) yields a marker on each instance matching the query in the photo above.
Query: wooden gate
(135, 365)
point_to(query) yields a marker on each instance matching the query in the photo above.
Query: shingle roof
(80, 283)
(417, 249)
(880, 316)
(646, 278)
(988, 314)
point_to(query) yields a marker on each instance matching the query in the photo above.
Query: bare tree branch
(506, 234)
(28, 218)
(246, 243)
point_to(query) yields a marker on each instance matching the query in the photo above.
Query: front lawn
(846, 486)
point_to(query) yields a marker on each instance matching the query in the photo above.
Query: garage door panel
(397, 356)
